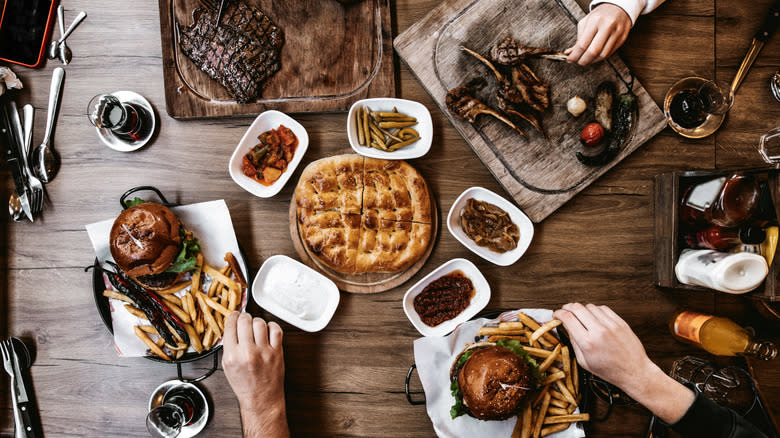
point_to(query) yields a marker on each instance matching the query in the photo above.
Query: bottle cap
(752, 235)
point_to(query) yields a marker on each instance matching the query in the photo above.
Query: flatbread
(358, 215)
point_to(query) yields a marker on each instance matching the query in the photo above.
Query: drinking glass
(126, 120)
(716, 97)
(769, 147)
(181, 406)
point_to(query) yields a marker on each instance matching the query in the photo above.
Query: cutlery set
(16, 359)
(30, 169)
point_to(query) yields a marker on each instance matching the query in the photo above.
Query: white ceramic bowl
(518, 217)
(412, 109)
(264, 122)
(478, 301)
(308, 308)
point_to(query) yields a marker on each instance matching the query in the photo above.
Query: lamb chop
(510, 52)
(522, 91)
(461, 102)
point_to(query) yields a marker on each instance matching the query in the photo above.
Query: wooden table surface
(347, 380)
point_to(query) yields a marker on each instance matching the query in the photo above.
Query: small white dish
(264, 122)
(478, 301)
(295, 293)
(120, 144)
(518, 217)
(411, 108)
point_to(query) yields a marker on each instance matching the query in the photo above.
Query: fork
(213, 5)
(35, 184)
(7, 349)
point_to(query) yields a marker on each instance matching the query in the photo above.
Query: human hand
(600, 34)
(605, 345)
(253, 361)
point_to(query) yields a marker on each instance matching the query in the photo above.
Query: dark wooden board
(334, 55)
(540, 175)
(368, 283)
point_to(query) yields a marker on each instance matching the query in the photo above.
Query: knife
(768, 27)
(13, 162)
(23, 403)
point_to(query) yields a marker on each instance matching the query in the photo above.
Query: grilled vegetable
(592, 135)
(605, 101)
(625, 118)
(158, 314)
(576, 106)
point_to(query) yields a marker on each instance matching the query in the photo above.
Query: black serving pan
(99, 285)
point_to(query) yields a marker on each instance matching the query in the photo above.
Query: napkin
(434, 357)
(210, 222)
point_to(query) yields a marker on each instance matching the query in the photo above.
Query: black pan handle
(123, 198)
(769, 26)
(203, 377)
(406, 387)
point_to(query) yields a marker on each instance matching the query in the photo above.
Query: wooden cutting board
(334, 55)
(540, 175)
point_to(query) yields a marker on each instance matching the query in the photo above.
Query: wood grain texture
(334, 54)
(346, 380)
(540, 175)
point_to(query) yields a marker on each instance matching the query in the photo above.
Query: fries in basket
(200, 304)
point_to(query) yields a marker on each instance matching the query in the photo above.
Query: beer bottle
(719, 336)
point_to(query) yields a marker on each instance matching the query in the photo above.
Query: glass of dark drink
(181, 405)
(126, 120)
(695, 107)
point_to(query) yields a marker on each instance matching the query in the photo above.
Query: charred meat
(242, 53)
(461, 102)
(510, 52)
(519, 92)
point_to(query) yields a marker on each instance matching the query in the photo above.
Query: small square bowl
(478, 301)
(518, 217)
(311, 309)
(412, 109)
(264, 122)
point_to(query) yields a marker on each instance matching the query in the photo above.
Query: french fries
(200, 306)
(552, 407)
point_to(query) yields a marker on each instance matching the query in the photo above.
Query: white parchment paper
(210, 222)
(434, 357)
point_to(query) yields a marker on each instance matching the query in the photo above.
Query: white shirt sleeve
(634, 8)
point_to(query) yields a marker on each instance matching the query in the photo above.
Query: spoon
(15, 207)
(47, 162)
(63, 51)
(774, 85)
(54, 48)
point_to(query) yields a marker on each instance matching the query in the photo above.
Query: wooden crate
(668, 240)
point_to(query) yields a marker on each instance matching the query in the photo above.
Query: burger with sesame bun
(149, 244)
(491, 380)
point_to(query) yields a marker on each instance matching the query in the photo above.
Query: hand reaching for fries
(253, 361)
(606, 346)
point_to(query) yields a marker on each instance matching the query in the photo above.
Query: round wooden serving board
(371, 282)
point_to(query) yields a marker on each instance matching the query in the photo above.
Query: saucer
(120, 144)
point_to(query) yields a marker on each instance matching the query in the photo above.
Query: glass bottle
(719, 336)
(726, 201)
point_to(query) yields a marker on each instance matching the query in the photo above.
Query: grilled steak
(241, 53)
